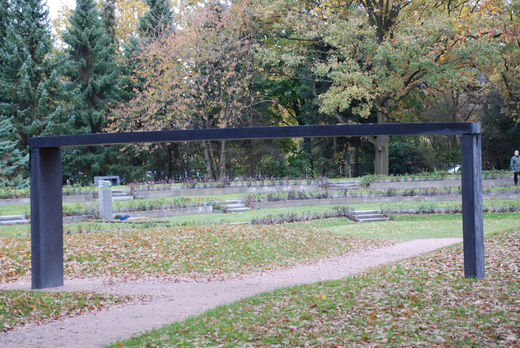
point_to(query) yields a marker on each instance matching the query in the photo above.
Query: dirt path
(171, 301)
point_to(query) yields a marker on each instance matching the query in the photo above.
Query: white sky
(55, 6)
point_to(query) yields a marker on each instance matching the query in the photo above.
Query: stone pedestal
(105, 200)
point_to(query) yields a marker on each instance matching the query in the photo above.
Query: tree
(3, 14)
(372, 59)
(90, 84)
(157, 19)
(495, 27)
(381, 54)
(27, 78)
(408, 158)
(28, 83)
(13, 162)
(197, 77)
(126, 17)
(88, 69)
(289, 47)
(109, 19)
(500, 132)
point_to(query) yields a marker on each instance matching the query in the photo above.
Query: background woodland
(132, 65)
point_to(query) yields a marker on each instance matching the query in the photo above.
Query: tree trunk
(382, 145)
(170, 154)
(254, 158)
(159, 159)
(207, 160)
(222, 162)
(356, 158)
(335, 153)
(212, 158)
(307, 147)
(381, 162)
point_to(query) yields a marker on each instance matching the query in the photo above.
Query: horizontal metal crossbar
(340, 130)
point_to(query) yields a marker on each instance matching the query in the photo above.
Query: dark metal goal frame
(46, 180)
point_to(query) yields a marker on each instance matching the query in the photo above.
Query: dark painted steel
(46, 180)
(257, 133)
(472, 220)
(46, 218)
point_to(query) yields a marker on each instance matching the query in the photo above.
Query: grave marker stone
(105, 200)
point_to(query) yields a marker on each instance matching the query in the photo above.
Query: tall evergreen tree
(27, 83)
(27, 78)
(157, 19)
(88, 67)
(109, 19)
(13, 162)
(3, 15)
(90, 79)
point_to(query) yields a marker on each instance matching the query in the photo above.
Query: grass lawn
(149, 203)
(15, 230)
(18, 307)
(214, 251)
(247, 216)
(186, 220)
(217, 250)
(146, 203)
(422, 301)
(15, 209)
(408, 227)
(454, 221)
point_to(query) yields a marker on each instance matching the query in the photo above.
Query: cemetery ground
(421, 300)
(248, 216)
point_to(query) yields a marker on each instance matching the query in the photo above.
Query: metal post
(472, 221)
(46, 218)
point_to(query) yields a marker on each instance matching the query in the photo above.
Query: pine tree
(91, 85)
(155, 21)
(27, 78)
(13, 163)
(88, 68)
(3, 15)
(109, 19)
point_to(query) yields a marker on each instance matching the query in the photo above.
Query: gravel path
(172, 301)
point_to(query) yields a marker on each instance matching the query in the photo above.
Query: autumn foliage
(197, 77)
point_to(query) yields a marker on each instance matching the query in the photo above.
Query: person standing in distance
(515, 165)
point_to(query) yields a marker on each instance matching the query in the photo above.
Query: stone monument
(105, 200)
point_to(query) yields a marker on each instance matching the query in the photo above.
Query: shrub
(406, 158)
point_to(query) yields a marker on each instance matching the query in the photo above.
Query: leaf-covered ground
(423, 301)
(18, 307)
(213, 251)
